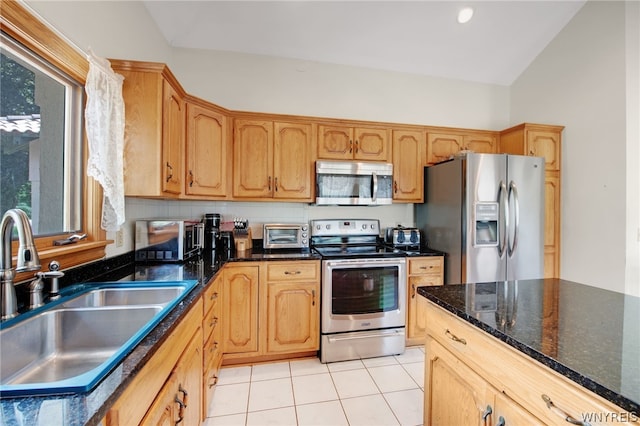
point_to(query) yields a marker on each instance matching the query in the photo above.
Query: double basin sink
(72, 344)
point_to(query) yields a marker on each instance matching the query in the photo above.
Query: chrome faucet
(27, 255)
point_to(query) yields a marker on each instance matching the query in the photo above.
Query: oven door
(363, 294)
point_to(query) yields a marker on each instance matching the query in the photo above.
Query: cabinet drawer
(212, 351)
(431, 265)
(293, 271)
(211, 294)
(522, 379)
(211, 321)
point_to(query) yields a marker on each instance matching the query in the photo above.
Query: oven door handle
(366, 335)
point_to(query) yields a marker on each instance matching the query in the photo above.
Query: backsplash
(257, 213)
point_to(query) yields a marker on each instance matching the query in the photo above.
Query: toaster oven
(285, 236)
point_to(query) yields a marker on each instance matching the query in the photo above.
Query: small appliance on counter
(285, 236)
(242, 235)
(401, 237)
(211, 230)
(167, 240)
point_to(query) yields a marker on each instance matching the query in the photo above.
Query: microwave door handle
(374, 196)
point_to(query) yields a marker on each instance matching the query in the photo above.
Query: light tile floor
(377, 391)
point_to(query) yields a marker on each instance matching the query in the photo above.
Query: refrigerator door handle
(513, 190)
(504, 207)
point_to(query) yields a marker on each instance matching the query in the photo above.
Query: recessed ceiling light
(465, 15)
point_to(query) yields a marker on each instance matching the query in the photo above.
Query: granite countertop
(89, 408)
(587, 334)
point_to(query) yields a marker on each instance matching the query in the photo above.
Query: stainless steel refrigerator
(486, 212)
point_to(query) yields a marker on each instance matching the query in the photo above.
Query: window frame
(21, 25)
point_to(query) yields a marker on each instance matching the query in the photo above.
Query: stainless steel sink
(63, 343)
(72, 344)
(126, 297)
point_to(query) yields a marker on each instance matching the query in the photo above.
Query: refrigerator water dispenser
(486, 221)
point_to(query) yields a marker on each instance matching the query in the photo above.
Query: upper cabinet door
(371, 145)
(253, 159)
(544, 143)
(348, 143)
(173, 117)
(292, 161)
(408, 147)
(335, 143)
(484, 144)
(207, 157)
(441, 147)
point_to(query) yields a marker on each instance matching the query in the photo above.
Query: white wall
(580, 81)
(266, 84)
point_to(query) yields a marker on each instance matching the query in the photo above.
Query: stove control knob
(328, 227)
(373, 226)
(364, 226)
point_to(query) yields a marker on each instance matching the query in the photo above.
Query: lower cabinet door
(293, 317)
(240, 309)
(165, 410)
(454, 394)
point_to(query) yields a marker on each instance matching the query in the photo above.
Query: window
(40, 141)
(59, 70)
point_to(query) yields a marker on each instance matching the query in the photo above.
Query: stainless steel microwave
(353, 183)
(285, 236)
(167, 240)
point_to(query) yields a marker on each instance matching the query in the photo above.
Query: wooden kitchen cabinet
(240, 288)
(208, 159)
(283, 297)
(293, 306)
(421, 271)
(272, 160)
(545, 141)
(441, 146)
(408, 165)
(178, 362)
(467, 370)
(353, 143)
(154, 129)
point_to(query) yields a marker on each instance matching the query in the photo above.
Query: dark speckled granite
(90, 407)
(590, 335)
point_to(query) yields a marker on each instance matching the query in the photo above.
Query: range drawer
(293, 271)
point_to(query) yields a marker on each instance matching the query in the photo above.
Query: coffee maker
(211, 231)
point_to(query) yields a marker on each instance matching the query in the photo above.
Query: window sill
(68, 256)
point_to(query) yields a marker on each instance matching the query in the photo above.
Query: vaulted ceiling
(419, 37)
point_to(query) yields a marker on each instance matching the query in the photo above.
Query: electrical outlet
(119, 237)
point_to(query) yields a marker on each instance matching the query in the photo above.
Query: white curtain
(104, 123)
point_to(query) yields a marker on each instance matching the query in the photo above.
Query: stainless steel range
(363, 290)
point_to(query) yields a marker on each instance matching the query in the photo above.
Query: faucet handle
(54, 265)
